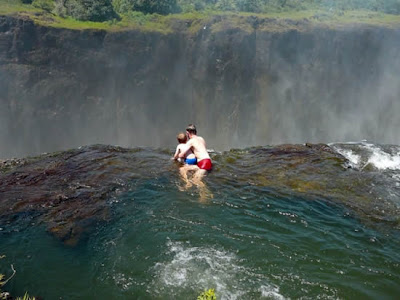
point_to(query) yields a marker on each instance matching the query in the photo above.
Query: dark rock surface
(68, 191)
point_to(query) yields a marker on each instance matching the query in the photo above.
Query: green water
(247, 242)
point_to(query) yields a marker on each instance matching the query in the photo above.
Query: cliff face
(61, 88)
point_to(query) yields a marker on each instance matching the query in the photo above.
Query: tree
(248, 5)
(89, 10)
(392, 6)
(122, 6)
(163, 7)
(47, 5)
(155, 6)
(228, 5)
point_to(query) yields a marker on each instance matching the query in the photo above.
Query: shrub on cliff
(47, 5)
(226, 5)
(249, 5)
(387, 6)
(258, 6)
(86, 10)
(392, 7)
(199, 5)
(146, 6)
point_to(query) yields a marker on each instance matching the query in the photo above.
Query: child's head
(182, 138)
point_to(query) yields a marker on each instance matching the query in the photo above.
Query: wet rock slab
(67, 191)
(312, 172)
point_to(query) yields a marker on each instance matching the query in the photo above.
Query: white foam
(353, 158)
(396, 177)
(383, 160)
(201, 268)
(122, 281)
(271, 292)
(350, 155)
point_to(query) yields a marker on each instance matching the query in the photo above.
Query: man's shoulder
(199, 138)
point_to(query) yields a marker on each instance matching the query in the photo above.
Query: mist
(62, 89)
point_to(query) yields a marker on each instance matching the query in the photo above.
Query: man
(198, 145)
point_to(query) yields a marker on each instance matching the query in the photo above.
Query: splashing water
(383, 160)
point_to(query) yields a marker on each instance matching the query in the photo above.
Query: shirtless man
(198, 145)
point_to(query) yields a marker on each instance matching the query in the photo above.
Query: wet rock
(68, 191)
(310, 171)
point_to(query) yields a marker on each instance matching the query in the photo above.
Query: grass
(368, 17)
(11, 7)
(195, 21)
(68, 23)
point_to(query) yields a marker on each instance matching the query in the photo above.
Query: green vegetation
(26, 297)
(11, 7)
(85, 10)
(154, 15)
(146, 6)
(46, 5)
(207, 295)
(3, 282)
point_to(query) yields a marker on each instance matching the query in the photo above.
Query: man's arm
(185, 148)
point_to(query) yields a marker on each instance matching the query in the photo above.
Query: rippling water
(276, 223)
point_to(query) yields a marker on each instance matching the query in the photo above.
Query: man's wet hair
(191, 128)
(181, 137)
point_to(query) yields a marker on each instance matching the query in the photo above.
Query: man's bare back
(198, 146)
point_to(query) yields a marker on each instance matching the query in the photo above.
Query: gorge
(242, 80)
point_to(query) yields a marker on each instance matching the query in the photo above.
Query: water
(308, 229)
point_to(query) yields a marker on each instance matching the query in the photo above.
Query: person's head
(191, 129)
(182, 138)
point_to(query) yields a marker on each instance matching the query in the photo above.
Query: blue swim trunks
(191, 161)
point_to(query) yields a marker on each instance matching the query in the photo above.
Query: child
(190, 158)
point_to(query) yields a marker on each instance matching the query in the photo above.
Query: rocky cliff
(241, 85)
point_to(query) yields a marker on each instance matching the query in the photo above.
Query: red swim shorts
(205, 164)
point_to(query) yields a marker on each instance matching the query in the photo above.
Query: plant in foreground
(26, 297)
(5, 295)
(207, 295)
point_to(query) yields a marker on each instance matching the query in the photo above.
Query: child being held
(190, 158)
